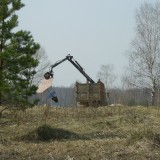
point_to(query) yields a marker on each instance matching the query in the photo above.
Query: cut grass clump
(46, 133)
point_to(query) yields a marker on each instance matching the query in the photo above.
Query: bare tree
(44, 64)
(106, 75)
(144, 58)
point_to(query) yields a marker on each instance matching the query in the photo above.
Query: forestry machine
(89, 93)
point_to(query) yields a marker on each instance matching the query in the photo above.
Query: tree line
(67, 97)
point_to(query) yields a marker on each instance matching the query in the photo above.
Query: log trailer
(88, 94)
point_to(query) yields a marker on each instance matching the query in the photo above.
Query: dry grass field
(104, 133)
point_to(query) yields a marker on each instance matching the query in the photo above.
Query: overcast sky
(94, 32)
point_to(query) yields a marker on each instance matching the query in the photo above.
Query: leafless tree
(43, 66)
(144, 57)
(106, 75)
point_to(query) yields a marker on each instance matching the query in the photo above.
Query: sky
(94, 32)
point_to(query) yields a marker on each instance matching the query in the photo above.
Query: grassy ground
(104, 133)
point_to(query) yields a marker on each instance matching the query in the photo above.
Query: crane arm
(78, 66)
(57, 63)
(75, 63)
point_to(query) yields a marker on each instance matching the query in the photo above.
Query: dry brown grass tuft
(116, 132)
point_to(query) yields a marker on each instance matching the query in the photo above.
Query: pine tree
(17, 50)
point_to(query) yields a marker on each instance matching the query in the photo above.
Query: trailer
(91, 94)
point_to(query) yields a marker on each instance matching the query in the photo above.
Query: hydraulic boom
(74, 62)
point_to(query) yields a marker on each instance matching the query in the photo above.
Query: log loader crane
(88, 94)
